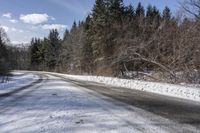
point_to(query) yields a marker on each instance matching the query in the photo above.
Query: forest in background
(117, 40)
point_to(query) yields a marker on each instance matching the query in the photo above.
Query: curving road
(55, 104)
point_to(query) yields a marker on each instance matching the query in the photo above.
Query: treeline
(44, 53)
(4, 56)
(11, 57)
(119, 40)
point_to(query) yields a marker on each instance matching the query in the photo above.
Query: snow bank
(179, 91)
(16, 81)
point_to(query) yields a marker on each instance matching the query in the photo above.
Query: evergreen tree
(66, 57)
(74, 27)
(37, 53)
(140, 12)
(157, 18)
(115, 9)
(152, 20)
(98, 24)
(99, 11)
(107, 21)
(53, 49)
(166, 14)
(140, 16)
(149, 13)
(4, 62)
(130, 12)
(87, 60)
(152, 14)
(33, 52)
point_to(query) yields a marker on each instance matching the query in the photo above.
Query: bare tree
(192, 7)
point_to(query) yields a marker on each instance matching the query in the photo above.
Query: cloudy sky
(24, 19)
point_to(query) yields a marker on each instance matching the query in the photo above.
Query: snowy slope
(179, 91)
(18, 80)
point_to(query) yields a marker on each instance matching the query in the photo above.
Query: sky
(24, 19)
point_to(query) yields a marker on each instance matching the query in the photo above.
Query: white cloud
(34, 18)
(13, 21)
(54, 26)
(7, 15)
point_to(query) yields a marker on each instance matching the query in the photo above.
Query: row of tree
(118, 40)
(45, 52)
(4, 55)
(11, 57)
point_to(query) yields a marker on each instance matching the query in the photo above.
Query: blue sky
(24, 19)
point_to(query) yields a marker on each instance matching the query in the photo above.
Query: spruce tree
(66, 57)
(129, 11)
(87, 59)
(140, 16)
(4, 62)
(152, 20)
(34, 52)
(115, 9)
(98, 27)
(53, 49)
(140, 12)
(74, 26)
(166, 14)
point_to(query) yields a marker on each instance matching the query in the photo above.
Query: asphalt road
(176, 109)
(184, 115)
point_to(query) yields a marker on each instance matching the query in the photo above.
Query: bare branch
(192, 7)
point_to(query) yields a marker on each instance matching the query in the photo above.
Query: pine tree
(4, 62)
(157, 18)
(34, 50)
(130, 12)
(53, 49)
(66, 57)
(37, 51)
(140, 12)
(87, 59)
(166, 14)
(74, 26)
(115, 9)
(152, 14)
(98, 24)
(107, 20)
(99, 10)
(152, 20)
(140, 16)
(149, 13)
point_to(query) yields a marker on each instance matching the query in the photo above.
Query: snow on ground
(179, 91)
(57, 106)
(18, 80)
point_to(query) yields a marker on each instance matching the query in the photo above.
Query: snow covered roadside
(178, 91)
(19, 79)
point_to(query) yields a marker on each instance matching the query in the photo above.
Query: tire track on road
(7, 94)
(12, 98)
